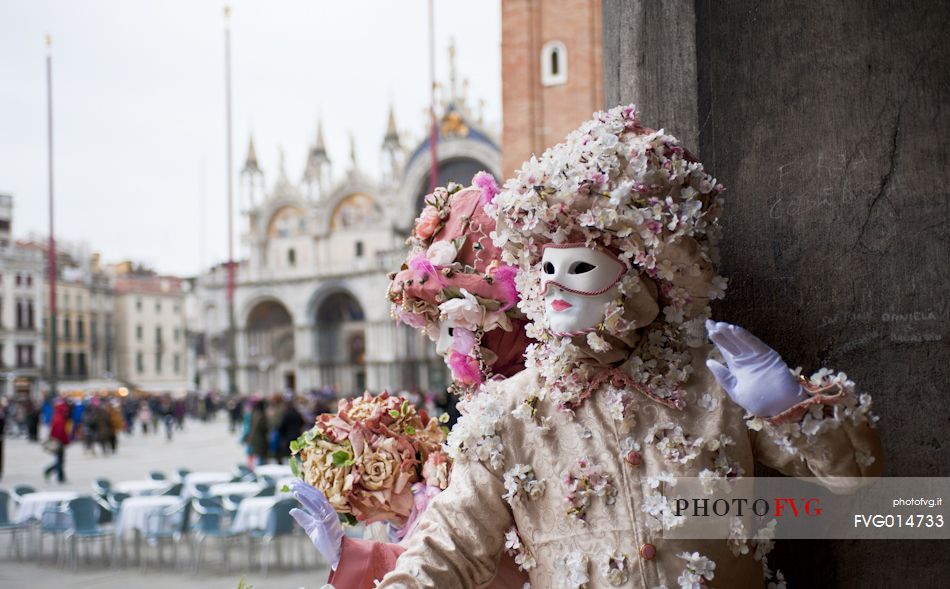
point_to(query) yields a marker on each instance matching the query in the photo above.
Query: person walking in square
(58, 440)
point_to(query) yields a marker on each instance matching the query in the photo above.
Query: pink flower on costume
(463, 341)
(435, 472)
(504, 277)
(489, 187)
(465, 369)
(428, 223)
(424, 269)
(414, 320)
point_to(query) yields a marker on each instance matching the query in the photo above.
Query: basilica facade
(310, 299)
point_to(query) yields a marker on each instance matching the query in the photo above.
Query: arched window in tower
(292, 257)
(553, 63)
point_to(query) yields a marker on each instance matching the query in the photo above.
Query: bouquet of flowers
(370, 457)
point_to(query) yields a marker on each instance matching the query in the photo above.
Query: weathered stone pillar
(828, 124)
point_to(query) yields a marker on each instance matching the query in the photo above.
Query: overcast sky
(139, 105)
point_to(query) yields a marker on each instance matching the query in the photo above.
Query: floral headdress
(639, 194)
(453, 273)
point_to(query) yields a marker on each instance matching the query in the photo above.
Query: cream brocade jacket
(579, 498)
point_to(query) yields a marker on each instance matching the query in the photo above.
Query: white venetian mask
(578, 282)
(443, 345)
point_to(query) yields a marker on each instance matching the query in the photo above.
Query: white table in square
(274, 471)
(252, 513)
(203, 478)
(228, 489)
(135, 511)
(33, 505)
(140, 487)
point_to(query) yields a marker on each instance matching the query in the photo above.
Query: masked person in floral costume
(454, 288)
(570, 463)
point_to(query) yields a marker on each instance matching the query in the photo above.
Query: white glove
(757, 378)
(319, 520)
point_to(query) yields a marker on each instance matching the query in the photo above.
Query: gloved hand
(757, 378)
(319, 520)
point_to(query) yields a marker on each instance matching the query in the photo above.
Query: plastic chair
(182, 473)
(268, 491)
(20, 490)
(279, 525)
(210, 519)
(101, 487)
(168, 525)
(116, 499)
(202, 490)
(243, 470)
(156, 475)
(231, 503)
(172, 490)
(7, 524)
(84, 512)
(106, 510)
(54, 521)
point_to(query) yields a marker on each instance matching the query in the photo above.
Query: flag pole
(51, 249)
(433, 127)
(232, 329)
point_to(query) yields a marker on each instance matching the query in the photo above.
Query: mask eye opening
(548, 268)
(451, 332)
(581, 268)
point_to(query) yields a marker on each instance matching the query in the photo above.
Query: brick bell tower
(552, 73)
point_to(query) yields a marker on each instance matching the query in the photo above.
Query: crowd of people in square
(264, 424)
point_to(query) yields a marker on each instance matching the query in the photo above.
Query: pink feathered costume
(422, 286)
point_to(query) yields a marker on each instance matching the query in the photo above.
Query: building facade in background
(150, 336)
(310, 305)
(552, 73)
(21, 309)
(85, 352)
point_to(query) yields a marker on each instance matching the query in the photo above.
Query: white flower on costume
(442, 253)
(516, 548)
(698, 570)
(582, 484)
(475, 435)
(597, 343)
(573, 567)
(737, 541)
(658, 507)
(708, 402)
(465, 312)
(520, 482)
(764, 540)
(863, 458)
(614, 568)
(779, 582)
(673, 443)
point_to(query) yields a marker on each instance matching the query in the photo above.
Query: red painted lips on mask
(560, 305)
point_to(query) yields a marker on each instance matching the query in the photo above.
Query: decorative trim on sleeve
(832, 401)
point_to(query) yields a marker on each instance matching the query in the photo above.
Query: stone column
(828, 124)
